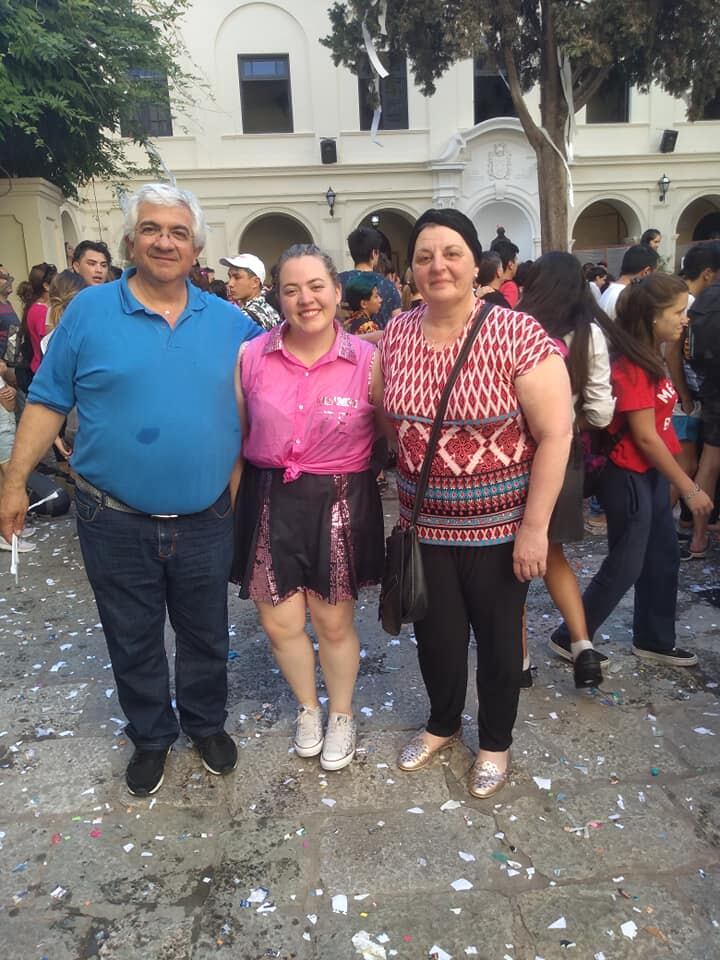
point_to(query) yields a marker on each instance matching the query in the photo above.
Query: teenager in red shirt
(642, 541)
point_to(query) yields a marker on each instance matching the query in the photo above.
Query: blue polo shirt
(158, 421)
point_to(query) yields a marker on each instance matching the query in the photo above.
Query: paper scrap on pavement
(629, 929)
(461, 884)
(451, 805)
(437, 953)
(339, 903)
(543, 783)
(703, 731)
(560, 924)
(467, 857)
(366, 948)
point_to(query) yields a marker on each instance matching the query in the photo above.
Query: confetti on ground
(340, 903)
(629, 929)
(461, 884)
(367, 948)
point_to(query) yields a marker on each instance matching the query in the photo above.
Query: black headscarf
(452, 219)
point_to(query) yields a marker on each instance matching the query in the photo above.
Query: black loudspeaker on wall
(328, 151)
(669, 139)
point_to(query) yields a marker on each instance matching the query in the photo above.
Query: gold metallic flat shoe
(417, 753)
(486, 779)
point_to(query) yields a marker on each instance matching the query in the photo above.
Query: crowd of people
(572, 379)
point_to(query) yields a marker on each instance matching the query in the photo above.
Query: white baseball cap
(246, 261)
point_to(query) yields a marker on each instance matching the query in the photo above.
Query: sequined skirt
(323, 534)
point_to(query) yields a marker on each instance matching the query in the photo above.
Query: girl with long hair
(34, 293)
(557, 294)
(635, 485)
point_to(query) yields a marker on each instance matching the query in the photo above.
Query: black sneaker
(674, 658)
(587, 669)
(146, 771)
(218, 753)
(526, 679)
(561, 646)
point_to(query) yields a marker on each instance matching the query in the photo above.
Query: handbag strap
(442, 406)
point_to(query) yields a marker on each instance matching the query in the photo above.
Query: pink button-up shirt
(316, 419)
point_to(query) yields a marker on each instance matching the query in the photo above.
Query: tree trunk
(548, 142)
(553, 196)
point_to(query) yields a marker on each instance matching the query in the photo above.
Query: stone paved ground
(605, 845)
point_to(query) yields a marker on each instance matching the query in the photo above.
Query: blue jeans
(643, 552)
(139, 567)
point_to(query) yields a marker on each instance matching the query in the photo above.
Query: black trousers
(472, 586)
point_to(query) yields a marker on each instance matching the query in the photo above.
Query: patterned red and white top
(481, 469)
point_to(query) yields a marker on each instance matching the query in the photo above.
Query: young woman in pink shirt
(309, 522)
(35, 293)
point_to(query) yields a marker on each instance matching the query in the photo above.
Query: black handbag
(403, 592)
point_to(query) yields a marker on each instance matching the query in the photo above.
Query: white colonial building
(274, 127)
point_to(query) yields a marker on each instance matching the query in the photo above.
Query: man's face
(242, 284)
(6, 283)
(93, 267)
(162, 246)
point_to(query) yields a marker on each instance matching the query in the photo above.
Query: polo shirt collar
(343, 346)
(130, 303)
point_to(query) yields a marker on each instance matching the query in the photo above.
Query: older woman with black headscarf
(494, 480)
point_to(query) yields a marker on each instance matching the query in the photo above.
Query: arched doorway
(603, 231)
(270, 234)
(518, 228)
(699, 221)
(394, 227)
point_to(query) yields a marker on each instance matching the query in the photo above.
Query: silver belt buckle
(164, 516)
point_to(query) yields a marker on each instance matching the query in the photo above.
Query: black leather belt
(105, 500)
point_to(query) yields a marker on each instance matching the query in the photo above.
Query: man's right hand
(13, 507)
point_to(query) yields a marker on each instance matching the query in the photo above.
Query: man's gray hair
(163, 195)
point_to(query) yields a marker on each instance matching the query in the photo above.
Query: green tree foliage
(670, 42)
(70, 70)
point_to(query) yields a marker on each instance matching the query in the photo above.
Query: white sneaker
(308, 740)
(339, 747)
(23, 546)
(28, 532)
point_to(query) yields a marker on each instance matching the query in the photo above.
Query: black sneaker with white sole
(146, 771)
(218, 753)
(673, 658)
(561, 646)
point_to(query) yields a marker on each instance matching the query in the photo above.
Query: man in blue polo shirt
(149, 362)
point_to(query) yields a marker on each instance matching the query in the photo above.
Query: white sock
(526, 662)
(577, 647)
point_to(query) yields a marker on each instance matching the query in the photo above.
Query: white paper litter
(461, 884)
(339, 903)
(366, 948)
(259, 895)
(629, 929)
(559, 924)
(703, 731)
(329, 802)
(416, 810)
(543, 783)
(467, 857)
(439, 953)
(450, 805)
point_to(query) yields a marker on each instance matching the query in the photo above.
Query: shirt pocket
(338, 415)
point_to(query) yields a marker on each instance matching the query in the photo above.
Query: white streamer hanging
(373, 57)
(567, 88)
(377, 66)
(571, 192)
